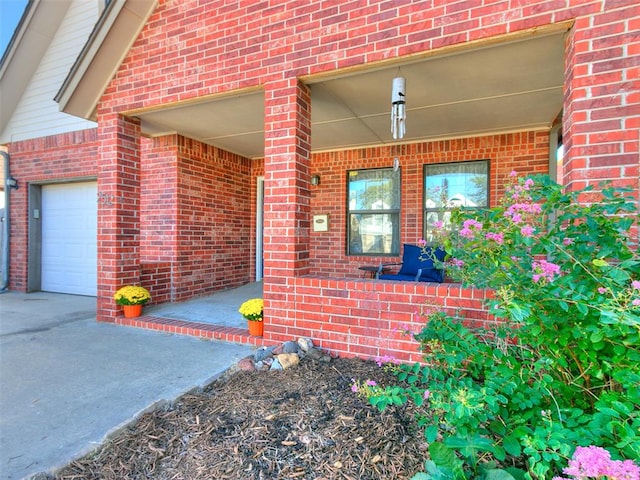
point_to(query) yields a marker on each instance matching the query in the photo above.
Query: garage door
(69, 233)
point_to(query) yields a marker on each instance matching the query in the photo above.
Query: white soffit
(503, 87)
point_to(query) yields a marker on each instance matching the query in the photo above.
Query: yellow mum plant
(132, 295)
(252, 309)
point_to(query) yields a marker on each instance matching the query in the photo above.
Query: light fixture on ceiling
(398, 110)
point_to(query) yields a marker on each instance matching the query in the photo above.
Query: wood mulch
(300, 423)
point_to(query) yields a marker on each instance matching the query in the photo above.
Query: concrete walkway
(220, 308)
(68, 382)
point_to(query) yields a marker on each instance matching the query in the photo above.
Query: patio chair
(417, 266)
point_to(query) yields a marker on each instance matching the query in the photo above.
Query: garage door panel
(69, 235)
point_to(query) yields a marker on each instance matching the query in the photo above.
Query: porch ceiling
(494, 89)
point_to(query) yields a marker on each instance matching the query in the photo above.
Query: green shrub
(562, 370)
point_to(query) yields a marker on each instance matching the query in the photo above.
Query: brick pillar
(287, 165)
(601, 118)
(118, 210)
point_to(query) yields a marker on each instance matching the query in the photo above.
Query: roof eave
(109, 42)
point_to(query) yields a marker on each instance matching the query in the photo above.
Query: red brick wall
(196, 229)
(525, 152)
(365, 318)
(53, 159)
(118, 221)
(213, 219)
(226, 46)
(192, 49)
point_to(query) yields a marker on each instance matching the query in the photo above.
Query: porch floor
(214, 316)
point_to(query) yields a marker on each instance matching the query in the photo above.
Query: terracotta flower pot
(132, 311)
(255, 328)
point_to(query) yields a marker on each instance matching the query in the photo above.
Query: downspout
(5, 224)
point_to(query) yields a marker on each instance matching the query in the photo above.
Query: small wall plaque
(321, 223)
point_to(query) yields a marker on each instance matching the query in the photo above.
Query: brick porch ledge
(193, 329)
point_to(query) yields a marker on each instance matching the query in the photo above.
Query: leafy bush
(562, 370)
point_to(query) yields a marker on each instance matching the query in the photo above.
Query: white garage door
(69, 238)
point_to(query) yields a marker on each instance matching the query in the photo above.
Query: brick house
(212, 119)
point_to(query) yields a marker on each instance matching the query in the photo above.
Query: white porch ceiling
(494, 89)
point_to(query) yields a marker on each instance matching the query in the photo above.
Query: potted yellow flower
(132, 298)
(252, 311)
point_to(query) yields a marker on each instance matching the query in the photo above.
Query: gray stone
(318, 355)
(276, 365)
(305, 344)
(290, 347)
(262, 353)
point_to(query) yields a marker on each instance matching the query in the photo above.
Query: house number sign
(108, 199)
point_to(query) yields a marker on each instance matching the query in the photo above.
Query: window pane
(456, 184)
(374, 233)
(450, 185)
(374, 190)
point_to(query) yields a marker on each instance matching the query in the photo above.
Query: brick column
(287, 164)
(118, 210)
(601, 118)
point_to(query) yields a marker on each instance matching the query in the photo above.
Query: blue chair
(417, 266)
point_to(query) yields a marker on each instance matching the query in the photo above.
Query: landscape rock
(262, 353)
(276, 365)
(280, 357)
(318, 355)
(290, 347)
(305, 344)
(288, 360)
(246, 364)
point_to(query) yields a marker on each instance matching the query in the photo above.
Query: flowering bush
(252, 309)
(132, 295)
(595, 462)
(564, 368)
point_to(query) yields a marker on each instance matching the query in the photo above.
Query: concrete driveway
(68, 382)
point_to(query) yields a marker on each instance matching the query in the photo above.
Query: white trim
(259, 227)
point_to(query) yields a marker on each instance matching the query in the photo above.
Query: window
(373, 212)
(450, 185)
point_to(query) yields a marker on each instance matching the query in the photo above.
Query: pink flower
(469, 227)
(438, 224)
(496, 237)
(636, 284)
(567, 241)
(427, 394)
(543, 270)
(516, 218)
(636, 302)
(602, 290)
(527, 231)
(422, 242)
(588, 462)
(596, 462)
(371, 383)
(528, 183)
(513, 173)
(386, 359)
(457, 262)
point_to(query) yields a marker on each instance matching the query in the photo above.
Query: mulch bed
(299, 423)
